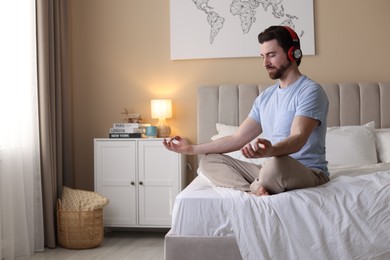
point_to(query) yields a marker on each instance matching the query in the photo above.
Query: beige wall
(121, 58)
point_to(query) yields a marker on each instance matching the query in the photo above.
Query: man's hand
(178, 144)
(257, 149)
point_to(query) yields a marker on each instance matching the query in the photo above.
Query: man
(292, 117)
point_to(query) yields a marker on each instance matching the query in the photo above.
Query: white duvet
(347, 218)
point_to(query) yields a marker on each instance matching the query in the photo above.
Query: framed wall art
(203, 29)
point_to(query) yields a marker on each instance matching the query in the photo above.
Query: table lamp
(162, 109)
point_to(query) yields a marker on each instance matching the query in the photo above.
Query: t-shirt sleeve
(255, 111)
(313, 103)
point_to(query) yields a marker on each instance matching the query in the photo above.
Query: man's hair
(282, 36)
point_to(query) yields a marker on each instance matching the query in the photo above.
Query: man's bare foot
(262, 191)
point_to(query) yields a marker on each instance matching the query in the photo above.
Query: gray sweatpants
(276, 175)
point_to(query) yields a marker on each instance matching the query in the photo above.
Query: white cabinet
(141, 180)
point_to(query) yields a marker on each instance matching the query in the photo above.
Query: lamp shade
(161, 108)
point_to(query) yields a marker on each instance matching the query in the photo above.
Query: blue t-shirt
(275, 108)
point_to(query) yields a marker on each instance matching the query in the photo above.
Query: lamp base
(163, 130)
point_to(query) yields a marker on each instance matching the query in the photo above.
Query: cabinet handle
(132, 183)
(141, 183)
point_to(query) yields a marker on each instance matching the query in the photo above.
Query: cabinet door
(159, 183)
(115, 178)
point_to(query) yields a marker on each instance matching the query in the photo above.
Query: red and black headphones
(294, 53)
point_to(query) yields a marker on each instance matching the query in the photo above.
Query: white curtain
(21, 216)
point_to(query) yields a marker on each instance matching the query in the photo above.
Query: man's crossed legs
(276, 175)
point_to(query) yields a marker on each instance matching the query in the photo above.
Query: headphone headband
(294, 35)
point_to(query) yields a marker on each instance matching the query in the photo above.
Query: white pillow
(351, 145)
(383, 144)
(226, 130)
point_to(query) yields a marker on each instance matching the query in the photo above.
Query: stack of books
(127, 130)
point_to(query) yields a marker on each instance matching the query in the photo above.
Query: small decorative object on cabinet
(141, 180)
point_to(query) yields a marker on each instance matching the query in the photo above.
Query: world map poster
(203, 29)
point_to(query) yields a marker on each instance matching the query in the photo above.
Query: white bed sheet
(199, 211)
(337, 171)
(347, 218)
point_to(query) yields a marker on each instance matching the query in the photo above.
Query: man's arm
(301, 129)
(248, 130)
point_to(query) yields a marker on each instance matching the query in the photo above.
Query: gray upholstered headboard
(349, 104)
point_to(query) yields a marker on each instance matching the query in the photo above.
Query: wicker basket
(79, 229)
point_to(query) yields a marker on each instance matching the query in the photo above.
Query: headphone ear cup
(290, 53)
(297, 53)
(294, 53)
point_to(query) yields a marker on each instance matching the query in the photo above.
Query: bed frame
(349, 104)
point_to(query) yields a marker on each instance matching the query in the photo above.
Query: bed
(347, 218)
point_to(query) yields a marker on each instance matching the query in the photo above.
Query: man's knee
(274, 173)
(210, 158)
(276, 166)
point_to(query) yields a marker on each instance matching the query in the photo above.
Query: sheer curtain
(21, 216)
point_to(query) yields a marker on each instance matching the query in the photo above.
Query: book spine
(125, 125)
(117, 130)
(125, 135)
(129, 125)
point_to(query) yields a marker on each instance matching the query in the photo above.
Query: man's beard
(278, 73)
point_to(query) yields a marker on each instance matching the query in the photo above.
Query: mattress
(268, 226)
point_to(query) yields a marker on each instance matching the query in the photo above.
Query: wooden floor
(137, 245)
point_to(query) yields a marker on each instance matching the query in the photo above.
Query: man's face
(275, 59)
